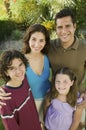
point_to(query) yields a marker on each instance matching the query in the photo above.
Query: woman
(36, 44)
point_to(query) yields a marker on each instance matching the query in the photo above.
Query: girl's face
(16, 71)
(63, 83)
(37, 42)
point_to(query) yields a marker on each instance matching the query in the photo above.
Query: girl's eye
(57, 82)
(65, 82)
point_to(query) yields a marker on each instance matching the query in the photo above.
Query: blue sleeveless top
(39, 84)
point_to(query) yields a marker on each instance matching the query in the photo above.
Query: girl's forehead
(62, 76)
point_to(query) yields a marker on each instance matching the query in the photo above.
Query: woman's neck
(34, 55)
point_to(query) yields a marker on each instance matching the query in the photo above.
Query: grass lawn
(1, 125)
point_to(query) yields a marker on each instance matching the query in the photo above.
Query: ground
(11, 44)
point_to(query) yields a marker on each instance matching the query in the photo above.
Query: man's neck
(68, 44)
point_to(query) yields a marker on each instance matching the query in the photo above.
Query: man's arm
(77, 120)
(78, 114)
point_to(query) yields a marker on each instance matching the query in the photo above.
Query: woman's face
(37, 42)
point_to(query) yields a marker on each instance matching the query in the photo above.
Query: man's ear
(75, 26)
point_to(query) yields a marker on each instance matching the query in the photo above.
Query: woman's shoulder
(27, 56)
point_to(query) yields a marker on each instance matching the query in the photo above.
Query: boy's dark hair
(66, 12)
(6, 60)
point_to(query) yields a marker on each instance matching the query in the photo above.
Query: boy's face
(16, 71)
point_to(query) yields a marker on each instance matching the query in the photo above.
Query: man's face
(65, 30)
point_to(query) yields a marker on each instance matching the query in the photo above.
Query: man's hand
(82, 105)
(81, 126)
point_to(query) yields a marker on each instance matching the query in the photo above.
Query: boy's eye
(10, 68)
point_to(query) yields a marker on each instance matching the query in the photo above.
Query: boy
(19, 113)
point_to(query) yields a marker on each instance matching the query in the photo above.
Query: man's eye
(59, 27)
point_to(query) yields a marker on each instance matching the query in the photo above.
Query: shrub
(16, 35)
(6, 28)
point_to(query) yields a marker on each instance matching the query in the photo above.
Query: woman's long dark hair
(32, 29)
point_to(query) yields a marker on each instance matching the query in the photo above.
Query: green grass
(1, 125)
(1, 80)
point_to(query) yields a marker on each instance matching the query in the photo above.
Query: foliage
(49, 24)
(81, 13)
(16, 34)
(6, 28)
(81, 17)
(26, 12)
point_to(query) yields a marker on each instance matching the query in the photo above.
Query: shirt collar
(73, 46)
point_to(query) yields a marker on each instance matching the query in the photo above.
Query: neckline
(42, 70)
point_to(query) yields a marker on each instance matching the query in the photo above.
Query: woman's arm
(3, 96)
(46, 105)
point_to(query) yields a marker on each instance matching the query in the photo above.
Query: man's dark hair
(66, 12)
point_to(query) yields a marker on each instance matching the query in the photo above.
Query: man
(68, 50)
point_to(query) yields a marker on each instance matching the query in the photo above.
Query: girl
(63, 98)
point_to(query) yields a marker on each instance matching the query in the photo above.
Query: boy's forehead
(16, 62)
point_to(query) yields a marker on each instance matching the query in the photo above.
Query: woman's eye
(33, 39)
